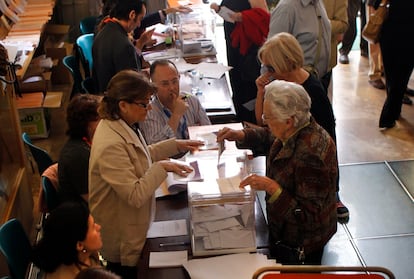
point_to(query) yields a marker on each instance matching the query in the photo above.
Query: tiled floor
(377, 171)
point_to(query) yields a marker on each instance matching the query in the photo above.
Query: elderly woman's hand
(189, 145)
(258, 182)
(180, 169)
(230, 134)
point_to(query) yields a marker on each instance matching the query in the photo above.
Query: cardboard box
(34, 112)
(54, 45)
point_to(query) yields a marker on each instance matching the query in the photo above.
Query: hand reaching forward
(259, 182)
(180, 169)
(230, 134)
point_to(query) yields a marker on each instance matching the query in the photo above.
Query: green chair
(41, 156)
(84, 43)
(87, 25)
(72, 64)
(16, 248)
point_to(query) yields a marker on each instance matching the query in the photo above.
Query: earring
(84, 250)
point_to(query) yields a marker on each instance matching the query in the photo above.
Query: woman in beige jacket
(124, 171)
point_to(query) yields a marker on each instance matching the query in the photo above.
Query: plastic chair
(16, 248)
(72, 64)
(42, 158)
(88, 85)
(51, 196)
(314, 272)
(84, 43)
(87, 25)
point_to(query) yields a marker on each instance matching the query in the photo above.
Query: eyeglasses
(143, 105)
(269, 69)
(266, 119)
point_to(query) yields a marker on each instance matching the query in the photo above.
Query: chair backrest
(87, 25)
(88, 85)
(51, 196)
(84, 43)
(329, 272)
(16, 248)
(72, 63)
(42, 158)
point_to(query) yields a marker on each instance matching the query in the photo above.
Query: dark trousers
(126, 272)
(350, 34)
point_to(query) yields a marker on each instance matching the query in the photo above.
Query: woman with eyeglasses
(301, 173)
(282, 58)
(124, 171)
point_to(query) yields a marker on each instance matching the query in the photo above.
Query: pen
(173, 244)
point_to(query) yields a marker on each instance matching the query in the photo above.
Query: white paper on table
(167, 259)
(226, 14)
(212, 70)
(167, 228)
(240, 266)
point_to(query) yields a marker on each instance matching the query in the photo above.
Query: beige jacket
(122, 181)
(337, 14)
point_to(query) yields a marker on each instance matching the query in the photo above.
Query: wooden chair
(322, 272)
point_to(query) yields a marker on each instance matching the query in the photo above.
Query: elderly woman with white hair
(301, 172)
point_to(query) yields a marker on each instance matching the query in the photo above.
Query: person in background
(124, 171)
(253, 17)
(398, 58)
(70, 242)
(96, 273)
(282, 58)
(376, 67)
(337, 14)
(81, 118)
(125, 16)
(172, 112)
(301, 174)
(308, 22)
(354, 6)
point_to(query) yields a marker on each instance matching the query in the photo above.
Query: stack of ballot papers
(240, 266)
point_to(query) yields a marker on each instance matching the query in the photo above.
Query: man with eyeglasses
(172, 111)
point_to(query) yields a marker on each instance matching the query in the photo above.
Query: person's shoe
(386, 125)
(409, 92)
(407, 100)
(377, 83)
(344, 59)
(342, 211)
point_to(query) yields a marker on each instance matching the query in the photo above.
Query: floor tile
(339, 251)
(405, 172)
(378, 205)
(394, 253)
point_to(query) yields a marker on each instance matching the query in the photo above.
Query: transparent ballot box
(221, 223)
(196, 32)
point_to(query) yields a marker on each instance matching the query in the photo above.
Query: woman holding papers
(124, 171)
(300, 176)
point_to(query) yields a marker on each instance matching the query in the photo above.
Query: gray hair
(287, 99)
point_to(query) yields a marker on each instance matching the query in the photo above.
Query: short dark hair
(126, 85)
(81, 110)
(120, 9)
(64, 227)
(161, 62)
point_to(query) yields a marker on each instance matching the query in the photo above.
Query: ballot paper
(167, 228)
(226, 14)
(240, 266)
(167, 259)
